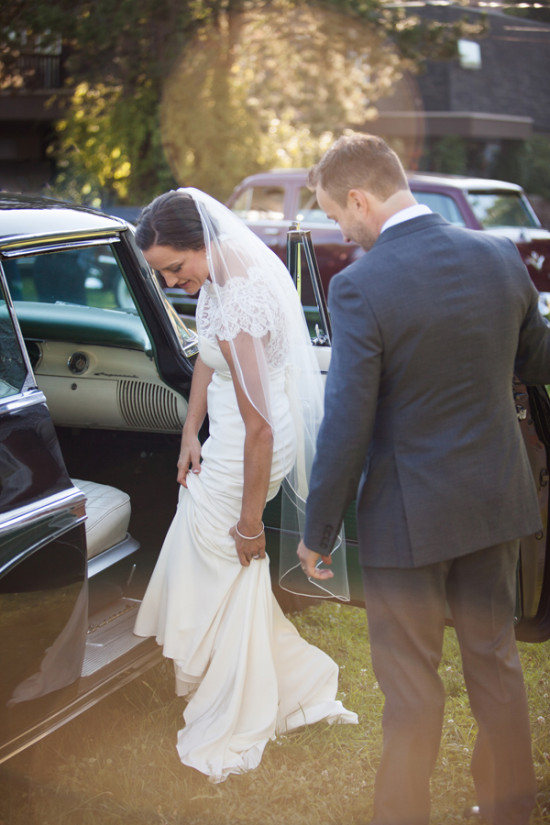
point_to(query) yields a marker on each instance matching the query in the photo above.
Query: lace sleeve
(243, 305)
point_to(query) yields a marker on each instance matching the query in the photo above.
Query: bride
(247, 673)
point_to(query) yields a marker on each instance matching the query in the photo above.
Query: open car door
(60, 654)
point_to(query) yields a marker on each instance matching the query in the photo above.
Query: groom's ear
(359, 202)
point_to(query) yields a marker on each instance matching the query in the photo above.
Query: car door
(43, 586)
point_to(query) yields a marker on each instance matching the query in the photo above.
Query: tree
(115, 55)
(530, 9)
(535, 166)
(202, 92)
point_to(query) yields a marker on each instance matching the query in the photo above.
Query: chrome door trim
(42, 508)
(21, 401)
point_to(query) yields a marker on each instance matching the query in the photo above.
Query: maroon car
(270, 201)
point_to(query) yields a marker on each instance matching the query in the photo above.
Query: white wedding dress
(246, 671)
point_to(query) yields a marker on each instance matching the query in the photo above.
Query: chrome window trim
(25, 251)
(29, 384)
(21, 401)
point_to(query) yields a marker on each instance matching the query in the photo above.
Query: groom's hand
(308, 560)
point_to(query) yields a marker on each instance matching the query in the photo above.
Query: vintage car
(270, 201)
(95, 369)
(94, 379)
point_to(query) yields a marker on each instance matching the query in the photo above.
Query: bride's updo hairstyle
(171, 219)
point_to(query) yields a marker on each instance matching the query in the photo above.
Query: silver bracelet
(248, 538)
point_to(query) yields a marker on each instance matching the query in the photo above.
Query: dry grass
(118, 763)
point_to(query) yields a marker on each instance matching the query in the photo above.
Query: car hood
(534, 248)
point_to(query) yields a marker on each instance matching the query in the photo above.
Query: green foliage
(206, 91)
(91, 163)
(507, 163)
(107, 150)
(258, 97)
(534, 10)
(449, 156)
(534, 164)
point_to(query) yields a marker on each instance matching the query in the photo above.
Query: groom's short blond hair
(359, 161)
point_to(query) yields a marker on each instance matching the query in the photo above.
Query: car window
(494, 209)
(13, 370)
(308, 208)
(443, 204)
(261, 203)
(86, 277)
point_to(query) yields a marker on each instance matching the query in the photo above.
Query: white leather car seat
(108, 510)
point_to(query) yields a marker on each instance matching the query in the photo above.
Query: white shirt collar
(406, 215)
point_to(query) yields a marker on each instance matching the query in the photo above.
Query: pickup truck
(270, 201)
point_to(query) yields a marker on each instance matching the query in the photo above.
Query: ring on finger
(255, 557)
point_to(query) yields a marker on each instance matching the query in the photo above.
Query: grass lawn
(117, 764)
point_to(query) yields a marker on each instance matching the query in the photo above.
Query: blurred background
(110, 104)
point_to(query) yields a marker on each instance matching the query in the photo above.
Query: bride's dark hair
(171, 219)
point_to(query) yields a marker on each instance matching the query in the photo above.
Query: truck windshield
(500, 209)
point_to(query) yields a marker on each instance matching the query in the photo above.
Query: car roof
(272, 175)
(25, 217)
(461, 182)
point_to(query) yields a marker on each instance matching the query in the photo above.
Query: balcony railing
(41, 71)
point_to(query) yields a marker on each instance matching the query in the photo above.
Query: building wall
(512, 80)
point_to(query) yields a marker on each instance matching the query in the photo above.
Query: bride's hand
(248, 549)
(189, 458)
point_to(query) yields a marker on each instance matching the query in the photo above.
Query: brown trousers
(406, 617)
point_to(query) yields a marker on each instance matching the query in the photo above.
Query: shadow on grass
(118, 765)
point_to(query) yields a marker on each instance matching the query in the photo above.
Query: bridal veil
(236, 256)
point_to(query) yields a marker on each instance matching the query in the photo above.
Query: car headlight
(544, 303)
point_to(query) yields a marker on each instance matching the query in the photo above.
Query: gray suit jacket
(420, 422)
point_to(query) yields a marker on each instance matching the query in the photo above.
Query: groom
(420, 427)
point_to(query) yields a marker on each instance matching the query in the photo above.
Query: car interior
(117, 421)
